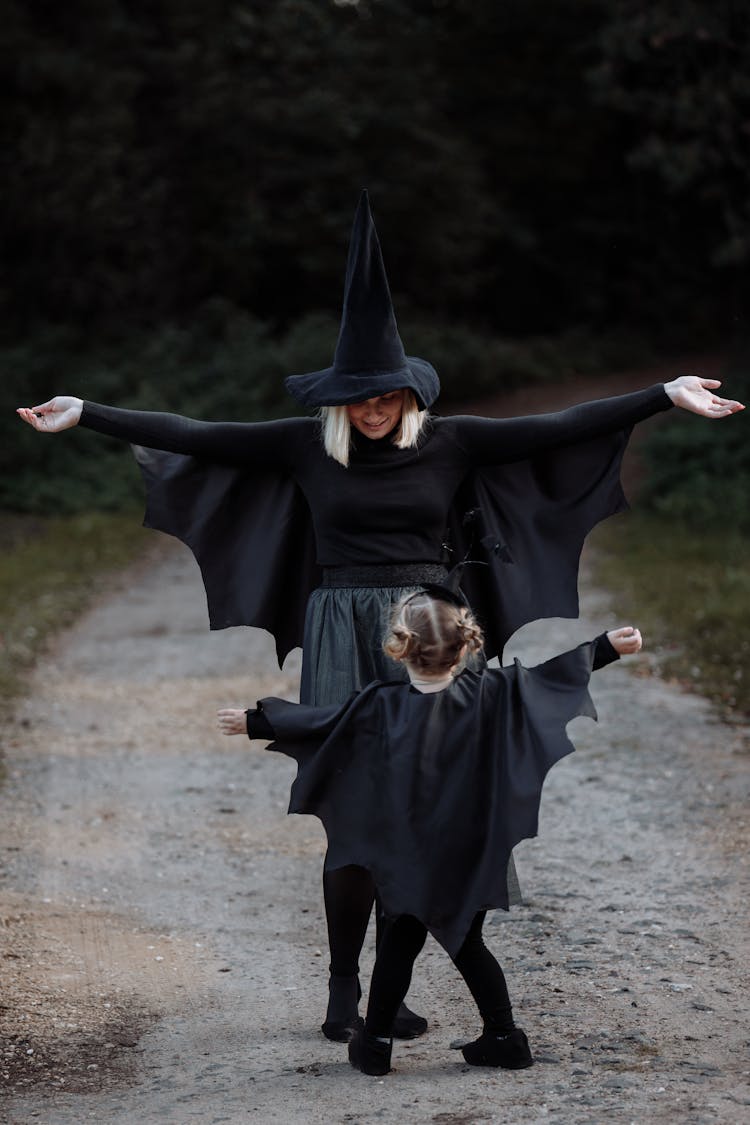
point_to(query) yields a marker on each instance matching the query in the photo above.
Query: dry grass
(689, 590)
(50, 568)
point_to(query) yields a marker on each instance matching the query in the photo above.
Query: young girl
(429, 785)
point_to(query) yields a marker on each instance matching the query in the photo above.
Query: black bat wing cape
(431, 793)
(252, 535)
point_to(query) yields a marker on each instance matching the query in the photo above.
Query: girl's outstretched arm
(625, 640)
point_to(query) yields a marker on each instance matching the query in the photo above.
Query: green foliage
(49, 571)
(471, 364)
(531, 166)
(221, 156)
(678, 76)
(689, 592)
(679, 568)
(700, 474)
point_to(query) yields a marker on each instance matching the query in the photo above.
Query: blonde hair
(429, 633)
(337, 429)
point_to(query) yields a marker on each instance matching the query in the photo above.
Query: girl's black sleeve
(258, 725)
(294, 722)
(604, 652)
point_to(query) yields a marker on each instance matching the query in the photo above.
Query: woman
(431, 795)
(291, 521)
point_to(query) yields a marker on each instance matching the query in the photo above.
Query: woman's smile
(376, 425)
(376, 417)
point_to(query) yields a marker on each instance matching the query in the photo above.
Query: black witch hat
(370, 358)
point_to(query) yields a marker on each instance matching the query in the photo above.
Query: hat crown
(368, 338)
(369, 360)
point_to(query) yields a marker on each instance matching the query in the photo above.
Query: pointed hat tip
(363, 219)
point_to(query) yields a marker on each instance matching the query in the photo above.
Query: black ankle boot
(408, 1025)
(342, 1017)
(369, 1054)
(508, 1051)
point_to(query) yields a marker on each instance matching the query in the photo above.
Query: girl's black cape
(431, 793)
(252, 535)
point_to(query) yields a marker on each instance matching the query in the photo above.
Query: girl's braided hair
(429, 633)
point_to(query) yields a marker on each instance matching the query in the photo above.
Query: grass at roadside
(689, 591)
(50, 568)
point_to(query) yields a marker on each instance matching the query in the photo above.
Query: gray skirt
(345, 626)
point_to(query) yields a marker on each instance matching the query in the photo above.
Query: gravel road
(163, 946)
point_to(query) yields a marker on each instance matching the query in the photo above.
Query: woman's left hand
(693, 393)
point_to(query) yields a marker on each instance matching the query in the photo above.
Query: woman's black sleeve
(264, 444)
(497, 441)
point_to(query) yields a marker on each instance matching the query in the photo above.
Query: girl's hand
(625, 640)
(232, 721)
(51, 417)
(696, 394)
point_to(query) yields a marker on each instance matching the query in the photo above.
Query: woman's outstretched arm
(493, 441)
(237, 443)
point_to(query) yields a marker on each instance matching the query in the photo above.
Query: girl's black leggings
(349, 896)
(399, 947)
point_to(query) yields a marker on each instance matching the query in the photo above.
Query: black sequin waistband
(387, 574)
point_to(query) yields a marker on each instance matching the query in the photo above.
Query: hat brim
(332, 387)
(444, 594)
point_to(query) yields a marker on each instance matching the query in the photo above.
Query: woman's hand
(625, 640)
(232, 721)
(696, 394)
(51, 417)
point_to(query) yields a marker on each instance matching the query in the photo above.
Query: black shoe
(509, 1051)
(408, 1025)
(342, 1018)
(368, 1054)
(339, 1031)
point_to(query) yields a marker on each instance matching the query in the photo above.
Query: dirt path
(162, 945)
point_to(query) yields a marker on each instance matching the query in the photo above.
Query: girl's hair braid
(429, 633)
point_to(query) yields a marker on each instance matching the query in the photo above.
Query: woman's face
(376, 417)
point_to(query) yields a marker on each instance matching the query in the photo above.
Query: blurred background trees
(531, 165)
(559, 186)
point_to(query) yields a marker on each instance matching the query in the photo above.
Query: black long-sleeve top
(389, 505)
